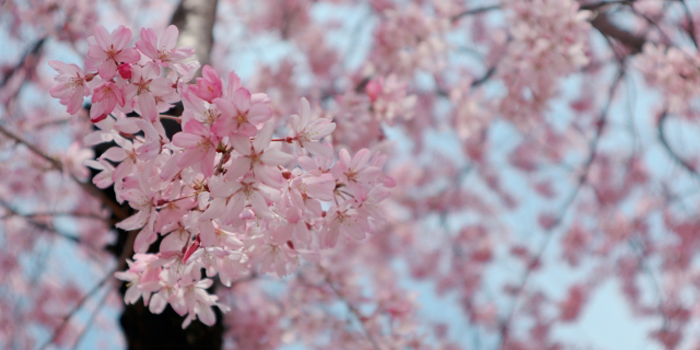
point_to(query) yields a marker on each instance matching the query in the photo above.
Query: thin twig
(691, 23)
(56, 164)
(667, 146)
(77, 307)
(598, 5)
(37, 224)
(35, 48)
(91, 319)
(582, 180)
(474, 11)
(34, 215)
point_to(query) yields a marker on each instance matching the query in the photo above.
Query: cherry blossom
(162, 50)
(108, 51)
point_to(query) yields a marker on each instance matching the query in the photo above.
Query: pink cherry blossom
(260, 157)
(108, 51)
(72, 85)
(200, 147)
(162, 50)
(307, 132)
(241, 114)
(209, 87)
(106, 97)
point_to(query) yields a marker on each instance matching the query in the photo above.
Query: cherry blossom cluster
(224, 195)
(548, 41)
(390, 98)
(672, 70)
(410, 38)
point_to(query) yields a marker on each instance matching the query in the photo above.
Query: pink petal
(259, 113)
(107, 70)
(260, 206)
(318, 149)
(129, 55)
(274, 156)
(241, 144)
(241, 99)
(360, 159)
(196, 127)
(264, 136)
(147, 104)
(269, 175)
(115, 154)
(121, 37)
(102, 37)
(169, 38)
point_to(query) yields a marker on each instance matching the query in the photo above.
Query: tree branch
(37, 224)
(53, 214)
(77, 307)
(33, 51)
(89, 187)
(667, 146)
(633, 42)
(474, 11)
(691, 23)
(582, 180)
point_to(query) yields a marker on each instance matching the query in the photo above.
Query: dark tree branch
(39, 225)
(603, 4)
(33, 51)
(667, 146)
(89, 187)
(633, 42)
(691, 23)
(474, 11)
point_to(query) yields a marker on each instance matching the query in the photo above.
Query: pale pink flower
(341, 219)
(274, 253)
(72, 85)
(231, 197)
(145, 200)
(241, 114)
(142, 277)
(162, 50)
(260, 157)
(168, 291)
(308, 191)
(209, 86)
(108, 51)
(306, 133)
(192, 299)
(105, 98)
(104, 178)
(125, 154)
(356, 169)
(153, 94)
(200, 147)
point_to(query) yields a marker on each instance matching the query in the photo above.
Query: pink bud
(191, 249)
(125, 70)
(373, 90)
(100, 118)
